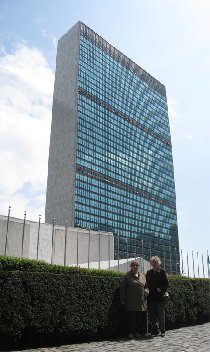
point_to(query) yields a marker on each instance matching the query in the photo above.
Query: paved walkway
(188, 339)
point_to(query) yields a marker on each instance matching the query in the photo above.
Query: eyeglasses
(135, 265)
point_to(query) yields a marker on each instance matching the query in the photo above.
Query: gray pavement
(187, 339)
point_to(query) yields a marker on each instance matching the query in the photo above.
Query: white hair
(155, 258)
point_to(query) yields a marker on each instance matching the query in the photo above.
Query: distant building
(110, 160)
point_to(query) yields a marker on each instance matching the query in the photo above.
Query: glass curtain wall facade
(124, 181)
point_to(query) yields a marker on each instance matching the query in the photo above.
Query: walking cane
(147, 320)
(147, 334)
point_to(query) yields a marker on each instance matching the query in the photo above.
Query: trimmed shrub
(13, 263)
(189, 302)
(42, 302)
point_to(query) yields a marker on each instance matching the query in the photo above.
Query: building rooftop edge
(156, 84)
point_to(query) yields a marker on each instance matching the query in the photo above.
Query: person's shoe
(162, 333)
(130, 336)
(137, 335)
(155, 333)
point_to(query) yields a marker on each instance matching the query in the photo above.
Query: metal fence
(190, 264)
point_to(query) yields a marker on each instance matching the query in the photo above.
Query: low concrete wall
(56, 244)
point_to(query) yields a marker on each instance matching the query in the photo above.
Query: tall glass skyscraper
(110, 161)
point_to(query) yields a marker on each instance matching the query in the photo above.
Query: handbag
(165, 297)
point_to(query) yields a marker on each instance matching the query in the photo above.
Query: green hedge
(12, 264)
(190, 301)
(55, 304)
(46, 303)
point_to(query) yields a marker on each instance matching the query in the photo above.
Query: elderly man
(133, 294)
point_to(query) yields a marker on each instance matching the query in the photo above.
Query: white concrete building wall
(45, 241)
(3, 230)
(78, 242)
(12, 233)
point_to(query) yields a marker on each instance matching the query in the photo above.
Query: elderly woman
(133, 294)
(157, 282)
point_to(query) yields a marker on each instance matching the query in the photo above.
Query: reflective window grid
(124, 172)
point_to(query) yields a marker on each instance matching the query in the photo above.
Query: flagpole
(198, 265)
(193, 265)
(203, 266)
(187, 266)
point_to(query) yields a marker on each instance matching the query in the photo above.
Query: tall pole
(203, 266)
(127, 251)
(164, 259)
(37, 249)
(77, 248)
(109, 248)
(208, 264)
(118, 252)
(53, 229)
(198, 266)
(99, 250)
(88, 248)
(182, 262)
(193, 265)
(176, 260)
(8, 217)
(142, 254)
(23, 234)
(150, 252)
(170, 262)
(65, 245)
(135, 248)
(188, 273)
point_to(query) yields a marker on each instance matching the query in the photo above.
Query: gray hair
(155, 258)
(134, 262)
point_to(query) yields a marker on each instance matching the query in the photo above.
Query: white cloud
(49, 35)
(199, 12)
(26, 86)
(172, 108)
(182, 221)
(201, 9)
(40, 22)
(2, 50)
(3, 11)
(177, 124)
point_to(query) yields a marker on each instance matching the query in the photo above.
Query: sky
(170, 39)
